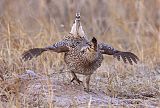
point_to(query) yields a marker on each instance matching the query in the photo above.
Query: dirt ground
(56, 90)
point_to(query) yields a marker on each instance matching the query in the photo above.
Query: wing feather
(58, 47)
(126, 56)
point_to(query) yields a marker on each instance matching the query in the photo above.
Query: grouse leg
(87, 83)
(75, 78)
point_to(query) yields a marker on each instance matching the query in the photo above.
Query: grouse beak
(84, 49)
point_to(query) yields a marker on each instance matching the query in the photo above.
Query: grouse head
(90, 46)
(90, 50)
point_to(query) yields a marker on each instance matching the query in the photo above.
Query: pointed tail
(77, 29)
(77, 21)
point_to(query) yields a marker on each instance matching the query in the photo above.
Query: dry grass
(129, 25)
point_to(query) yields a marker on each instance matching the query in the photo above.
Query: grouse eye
(78, 42)
(94, 40)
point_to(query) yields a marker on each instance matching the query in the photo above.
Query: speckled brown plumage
(81, 56)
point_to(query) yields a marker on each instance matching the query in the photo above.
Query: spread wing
(58, 47)
(125, 56)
